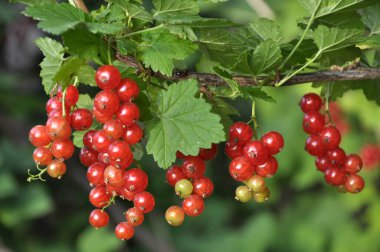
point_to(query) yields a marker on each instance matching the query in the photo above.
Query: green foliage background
(303, 214)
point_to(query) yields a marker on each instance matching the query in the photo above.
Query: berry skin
(107, 77)
(144, 201)
(183, 188)
(180, 155)
(113, 129)
(56, 169)
(106, 102)
(335, 176)
(261, 197)
(331, 137)
(233, 149)
(127, 90)
(193, 205)
(62, 149)
(101, 141)
(273, 141)
(256, 153)
(208, 154)
(370, 154)
(132, 134)
(53, 104)
(119, 150)
(38, 136)
(98, 218)
(314, 145)
(193, 167)
(124, 231)
(175, 216)
(311, 102)
(256, 184)
(353, 164)
(72, 96)
(240, 132)
(354, 183)
(81, 119)
(42, 156)
(114, 177)
(95, 174)
(174, 174)
(203, 187)
(136, 180)
(100, 117)
(58, 128)
(243, 194)
(122, 164)
(267, 169)
(126, 194)
(88, 157)
(134, 216)
(322, 163)
(88, 139)
(128, 113)
(241, 169)
(99, 197)
(313, 122)
(336, 156)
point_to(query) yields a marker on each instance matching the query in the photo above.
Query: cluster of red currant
(340, 169)
(190, 184)
(252, 161)
(371, 156)
(53, 139)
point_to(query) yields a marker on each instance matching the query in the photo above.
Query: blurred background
(303, 213)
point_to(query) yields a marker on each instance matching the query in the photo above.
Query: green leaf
(78, 138)
(177, 7)
(133, 11)
(257, 93)
(138, 151)
(53, 52)
(224, 110)
(33, 2)
(264, 29)
(371, 19)
(104, 28)
(335, 38)
(86, 75)
(183, 123)
(85, 101)
(160, 49)
(68, 70)
(98, 240)
(266, 57)
(56, 18)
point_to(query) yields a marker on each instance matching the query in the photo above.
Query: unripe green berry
(261, 196)
(183, 188)
(256, 183)
(243, 194)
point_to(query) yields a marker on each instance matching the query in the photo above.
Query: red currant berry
(42, 156)
(144, 201)
(88, 139)
(56, 169)
(62, 149)
(124, 231)
(134, 216)
(335, 176)
(101, 141)
(331, 137)
(267, 169)
(114, 177)
(203, 187)
(314, 146)
(313, 122)
(81, 119)
(107, 77)
(98, 218)
(322, 163)
(255, 152)
(104, 158)
(208, 154)
(95, 174)
(175, 216)
(133, 134)
(128, 113)
(119, 150)
(174, 174)
(127, 90)
(100, 117)
(240, 132)
(113, 129)
(370, 154)
(123, 163)
(58, 128)
(354, 183)
(38, 136)
(106, 102)
(336, 156)
(273, 141)
(54, 103)
(136, 180)
(311, 102)
(353, 164)
(193, 167)
(72, 96)
(126, 194)
(87, 157)
(99, 197)
(193, 205)
(233, 149)
(180, 155)
(241, 169)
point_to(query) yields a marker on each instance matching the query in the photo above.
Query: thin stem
(311, 20)
(37, 176)
(110, 202)
(143, 31)
(109, 52)
(279, 84)
(63, 103)
(254, 120)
